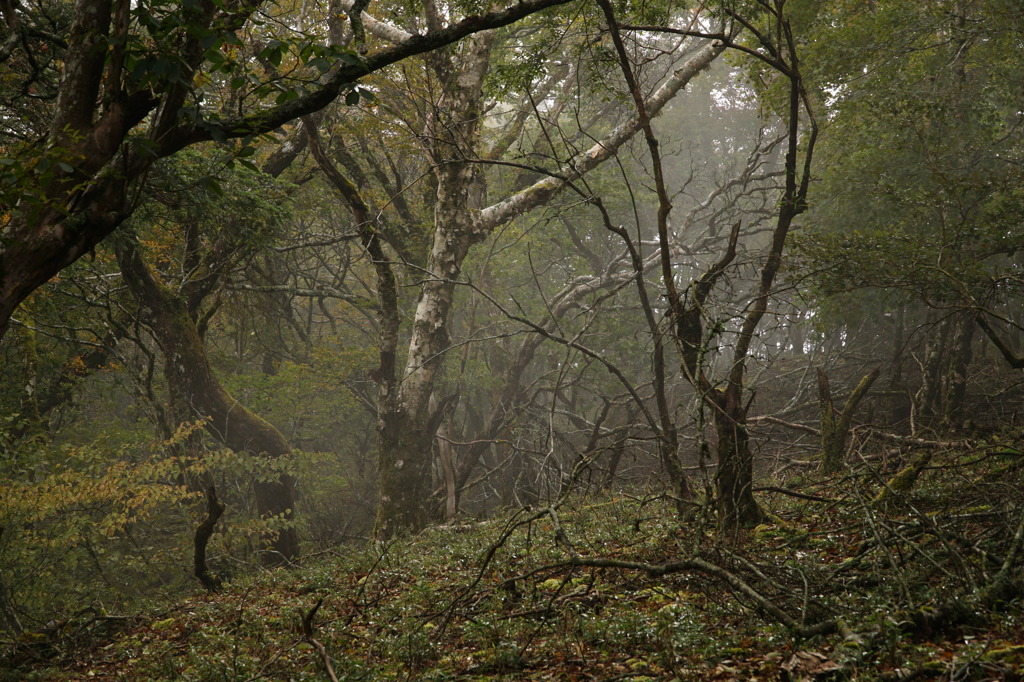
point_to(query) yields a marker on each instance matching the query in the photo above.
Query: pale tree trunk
(446, 455)
(458, 225)
(407, 425)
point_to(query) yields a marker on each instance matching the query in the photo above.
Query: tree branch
(542, 191)
(214, 509)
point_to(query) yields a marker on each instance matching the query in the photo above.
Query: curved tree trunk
(192, 382)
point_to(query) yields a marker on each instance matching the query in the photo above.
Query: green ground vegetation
(614, 586)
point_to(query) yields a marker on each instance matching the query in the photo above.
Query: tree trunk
(736, 504)
(834, 431)
(403, 463)
(214, 509)
(900, 404)
(446, 454)
(192, 382)
(408, 425)
(614, 458)
(734, 481)
(930, 402)
(956, 374)
(947, 357)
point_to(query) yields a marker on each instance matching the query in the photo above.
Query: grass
(498, 600)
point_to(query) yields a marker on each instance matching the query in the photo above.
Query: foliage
(72, 511)
(922, 132)
(83, 524)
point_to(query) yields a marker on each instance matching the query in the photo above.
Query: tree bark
(734, 481)
(192, 382)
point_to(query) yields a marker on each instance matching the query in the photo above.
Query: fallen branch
(918, 442)
(793, 493)
(874, 433)
(701, 566)
(790, 425)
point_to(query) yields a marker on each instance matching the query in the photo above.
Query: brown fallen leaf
(807, 665)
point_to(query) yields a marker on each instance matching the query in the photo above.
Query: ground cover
(839, 583)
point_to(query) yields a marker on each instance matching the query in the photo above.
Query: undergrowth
(922, 585)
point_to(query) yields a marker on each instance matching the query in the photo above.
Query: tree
(458, 146)
(923, 143)
(175, 316)
(774, 44)
(128, 90)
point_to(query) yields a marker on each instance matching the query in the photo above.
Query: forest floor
(616, 587)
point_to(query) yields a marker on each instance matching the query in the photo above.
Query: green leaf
(321, 64)
(286, 96)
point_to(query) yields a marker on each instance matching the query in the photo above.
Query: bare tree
(775, 45)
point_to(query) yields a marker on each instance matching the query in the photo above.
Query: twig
(307, 631)
(701, 566)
